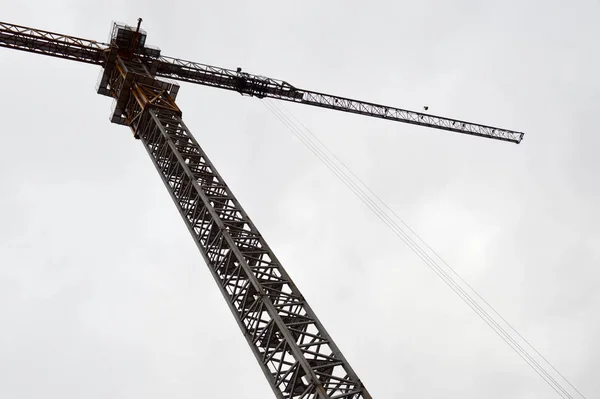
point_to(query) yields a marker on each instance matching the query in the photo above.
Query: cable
(435, 253)
(481, 312)
(484, 315)
(476, 307)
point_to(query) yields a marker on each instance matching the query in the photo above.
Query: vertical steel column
(297, 355)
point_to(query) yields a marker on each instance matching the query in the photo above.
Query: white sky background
(104, 295)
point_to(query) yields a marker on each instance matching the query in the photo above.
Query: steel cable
(352, 184)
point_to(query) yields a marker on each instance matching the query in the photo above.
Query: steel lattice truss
(92, 52)
(296, 354)
(52, 44)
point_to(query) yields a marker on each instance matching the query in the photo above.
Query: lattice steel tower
(297, 355)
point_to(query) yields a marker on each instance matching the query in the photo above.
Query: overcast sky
(103, 294)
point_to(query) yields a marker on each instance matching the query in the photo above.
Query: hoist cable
(427, 245)
(384, 217)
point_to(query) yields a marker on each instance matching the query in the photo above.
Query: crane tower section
(297, 355)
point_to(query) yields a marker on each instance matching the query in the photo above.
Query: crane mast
(298, 357)
(296, 354)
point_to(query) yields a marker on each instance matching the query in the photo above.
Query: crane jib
(411, 117)
(92, 52)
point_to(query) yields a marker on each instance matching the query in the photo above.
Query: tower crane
(297, 355)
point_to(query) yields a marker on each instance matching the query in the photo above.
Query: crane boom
(93, 52)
